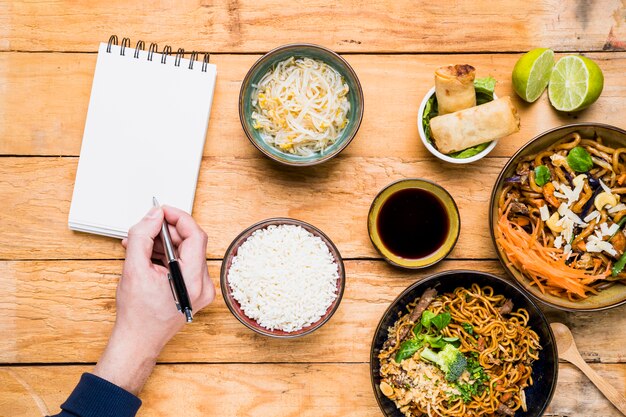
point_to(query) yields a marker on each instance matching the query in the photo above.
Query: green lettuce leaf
(441, 320)
(469, 152)
(484, 89)
(430, 110)
(427, 316)
(408, 349)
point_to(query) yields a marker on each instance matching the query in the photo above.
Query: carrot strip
(543, 265)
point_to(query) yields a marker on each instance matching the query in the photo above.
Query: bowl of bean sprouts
(301, 104)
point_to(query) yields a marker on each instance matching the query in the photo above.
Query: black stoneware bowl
(545, 370)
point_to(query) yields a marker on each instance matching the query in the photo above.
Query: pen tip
(155, 202)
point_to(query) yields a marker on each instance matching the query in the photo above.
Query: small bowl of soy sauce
(414, 223)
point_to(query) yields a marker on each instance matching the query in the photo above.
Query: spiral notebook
(144, 135)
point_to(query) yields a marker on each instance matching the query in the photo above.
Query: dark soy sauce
(413, 223)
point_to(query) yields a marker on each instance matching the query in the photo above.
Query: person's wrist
(127, 360)
(138, 341)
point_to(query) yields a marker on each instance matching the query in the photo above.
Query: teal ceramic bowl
(264, 64)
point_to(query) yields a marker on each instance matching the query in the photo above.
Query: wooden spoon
(569, 352)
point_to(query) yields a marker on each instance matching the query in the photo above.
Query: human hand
(147, 317)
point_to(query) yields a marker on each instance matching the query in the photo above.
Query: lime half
(576, 82)
(532, 73)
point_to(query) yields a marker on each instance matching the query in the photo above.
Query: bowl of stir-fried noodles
(463, 343)
(558, 211)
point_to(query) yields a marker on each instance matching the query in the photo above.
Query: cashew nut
(579, 180)
(603, 199)
(551, 222)
(558, 160)
(386, 389)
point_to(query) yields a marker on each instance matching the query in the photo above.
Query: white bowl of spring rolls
(461, 119)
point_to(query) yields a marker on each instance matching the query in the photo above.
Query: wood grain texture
(234, 193)
(393, 85)
(376, 26)
(285, 390)
(568, 351)
(63, 311)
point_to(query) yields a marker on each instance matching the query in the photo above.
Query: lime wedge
(532, 73)
(575, 84)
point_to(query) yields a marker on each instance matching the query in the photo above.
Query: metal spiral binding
(192, 59)
(125, 44)
(154, 48)
(166, 51)
(151, 50)
(205, 62)
(139, 47)
(179, 56)
(112, 41)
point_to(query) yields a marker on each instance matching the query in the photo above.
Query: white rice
(284, 277)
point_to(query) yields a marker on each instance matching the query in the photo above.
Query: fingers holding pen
(176, 240)
(193, 255)
(158, 252)
(185, 225)
(141, 237)
(194, 239)
(190, 242)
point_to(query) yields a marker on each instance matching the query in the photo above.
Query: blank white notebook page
(144, 136)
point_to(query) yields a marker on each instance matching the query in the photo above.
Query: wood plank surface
(393, 85)
(62, 311)
(279, 390)
(58, 286)
(375, 26)
(234, 193)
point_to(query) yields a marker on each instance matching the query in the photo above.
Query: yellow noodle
(509, 348)
(590, 276)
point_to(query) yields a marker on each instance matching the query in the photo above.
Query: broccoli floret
(450, 360)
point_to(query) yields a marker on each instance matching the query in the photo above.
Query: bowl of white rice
(282, 278)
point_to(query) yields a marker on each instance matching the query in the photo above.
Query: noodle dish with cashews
(560, 217)
(463, 348)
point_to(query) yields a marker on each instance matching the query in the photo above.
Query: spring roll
(454, 87)
(463, 129)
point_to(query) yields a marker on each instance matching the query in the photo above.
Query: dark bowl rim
(283, 220)
(512, 286)
(359, 96)
(581, 125)
(455, 213)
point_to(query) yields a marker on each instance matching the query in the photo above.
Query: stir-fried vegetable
(579, 159)
(542, 175)
(427, 332)
(619, 265)
(526, 252)
(449, 359)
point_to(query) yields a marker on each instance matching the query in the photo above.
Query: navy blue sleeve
(97, 397)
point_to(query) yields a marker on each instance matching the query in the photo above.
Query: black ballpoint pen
(175, 276)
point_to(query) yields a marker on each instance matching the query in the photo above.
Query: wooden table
(57, 287)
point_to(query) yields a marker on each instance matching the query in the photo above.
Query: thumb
(141, 237)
